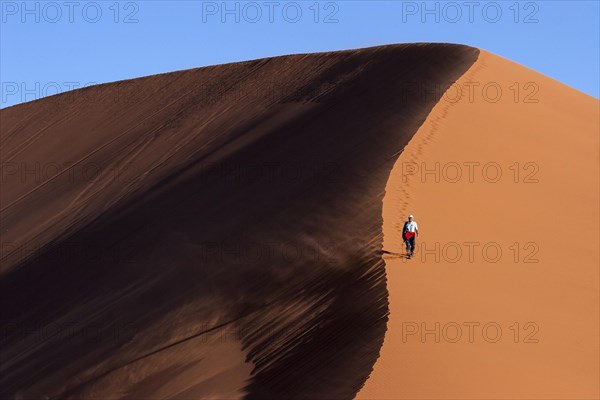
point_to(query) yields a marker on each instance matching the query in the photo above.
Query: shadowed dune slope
(234, 211)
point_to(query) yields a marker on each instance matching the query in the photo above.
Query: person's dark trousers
(410, 245)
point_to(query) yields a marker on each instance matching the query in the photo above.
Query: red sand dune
(237, 240)
(211, 233)
(542, 293)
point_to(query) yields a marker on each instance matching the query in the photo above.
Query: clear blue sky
(47, 46)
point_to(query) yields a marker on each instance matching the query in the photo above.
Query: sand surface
(234, 232)
(210, 233)
(541, 213)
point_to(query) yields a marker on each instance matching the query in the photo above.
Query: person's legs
(407, 243)
(412, 245)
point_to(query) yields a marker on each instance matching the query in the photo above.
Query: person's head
(410, 217)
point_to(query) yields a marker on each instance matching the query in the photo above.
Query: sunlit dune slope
(501, 300)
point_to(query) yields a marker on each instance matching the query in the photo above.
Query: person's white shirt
(411, 226)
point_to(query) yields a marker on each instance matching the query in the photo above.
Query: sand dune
(234, 232)
(211, 233)
(529, 288)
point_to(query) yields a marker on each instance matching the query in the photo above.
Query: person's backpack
(404, 229)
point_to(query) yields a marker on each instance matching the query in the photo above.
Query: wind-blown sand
(211, 233)
(551, 212)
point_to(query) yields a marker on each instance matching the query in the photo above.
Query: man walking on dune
(410, 231)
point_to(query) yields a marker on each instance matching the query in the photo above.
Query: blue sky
(51, 46)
